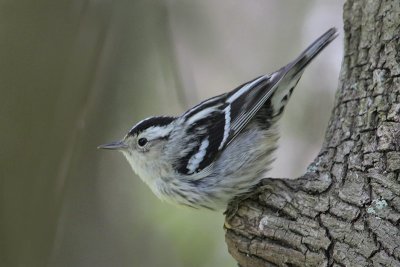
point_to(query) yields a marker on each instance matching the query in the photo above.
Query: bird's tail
(292, 72)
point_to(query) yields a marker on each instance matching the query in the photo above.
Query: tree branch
(345, 211)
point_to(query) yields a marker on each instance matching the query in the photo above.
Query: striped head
(143, 147)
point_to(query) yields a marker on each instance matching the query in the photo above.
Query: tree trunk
(345, 210)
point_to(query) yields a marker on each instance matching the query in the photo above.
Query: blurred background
(75, 74)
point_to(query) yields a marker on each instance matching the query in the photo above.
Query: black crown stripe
(150, 122)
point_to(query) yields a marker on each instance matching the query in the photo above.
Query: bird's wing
(214, 123)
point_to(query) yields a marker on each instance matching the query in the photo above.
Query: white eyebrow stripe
(244, 89)
(196, 159)
(156, 132)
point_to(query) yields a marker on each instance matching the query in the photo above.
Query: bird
(219, 149)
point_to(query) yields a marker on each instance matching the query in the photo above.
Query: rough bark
(345, 210)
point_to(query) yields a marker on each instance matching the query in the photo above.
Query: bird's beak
(118, 145)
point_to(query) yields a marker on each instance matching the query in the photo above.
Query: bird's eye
(142, 141)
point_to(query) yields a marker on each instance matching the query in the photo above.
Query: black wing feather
(210, 128)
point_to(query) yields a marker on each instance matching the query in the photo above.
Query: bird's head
(144, 146)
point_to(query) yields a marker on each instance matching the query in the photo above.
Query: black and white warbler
(220, 148)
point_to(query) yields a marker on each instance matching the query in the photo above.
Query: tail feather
(293, 71)
(298, 65)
